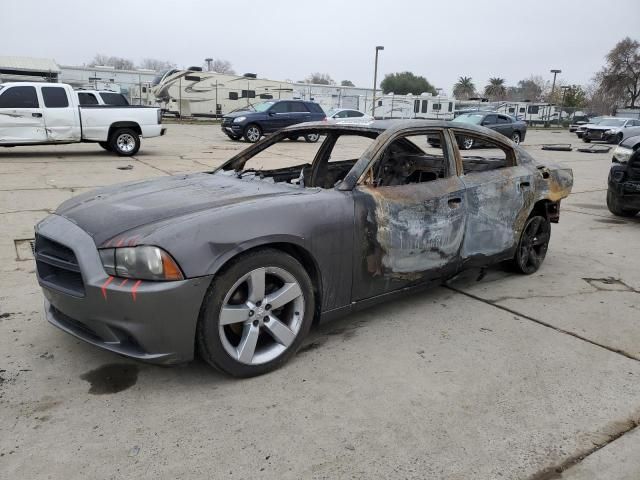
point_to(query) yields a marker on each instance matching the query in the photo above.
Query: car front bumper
(232, 129)
(151, 321)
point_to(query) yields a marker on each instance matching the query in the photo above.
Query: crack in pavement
(626, 426)
(555, 472)
(543, 323)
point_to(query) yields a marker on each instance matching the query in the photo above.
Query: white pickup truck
(33, 113)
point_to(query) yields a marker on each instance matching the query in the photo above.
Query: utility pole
(564, 89)
(553, 85)
(375, 81)
(208, 60)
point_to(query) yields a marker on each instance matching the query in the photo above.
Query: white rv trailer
(531, 112)
(196, 93)
(424, 106)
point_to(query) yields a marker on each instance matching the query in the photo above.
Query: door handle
(36, 114)
(525, 184)
(454, 202)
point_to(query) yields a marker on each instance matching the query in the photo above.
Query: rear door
(298, 113)
(498, 196)
(21, 116)
(61, 117)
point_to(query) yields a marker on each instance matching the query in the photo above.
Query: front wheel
(256, 313)
(533, 244)
(585, 139)
(311, 137)
(124, 142)
(252, 133)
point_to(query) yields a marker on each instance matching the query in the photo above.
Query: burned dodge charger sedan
(237, 263)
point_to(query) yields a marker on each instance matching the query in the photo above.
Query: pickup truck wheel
(125, 142)
(252, 133)
(311, 137)
(256, 313)
(105, 145)
(532, 247)
(516, 138)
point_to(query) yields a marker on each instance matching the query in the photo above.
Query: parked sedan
(504, 124)
(346, 114)
(612, 130)
(239, 262)
(582, 128)
(623, 192)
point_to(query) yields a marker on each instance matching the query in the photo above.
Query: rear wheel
(256, 313)
(467, 143)
(124, 142)
(293, 138)
(585, 139)
(516, 138)
(533, 244)
(105, 145)
(614, 206)
(311, 137)
(252, 133)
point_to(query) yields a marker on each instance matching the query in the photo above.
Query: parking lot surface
(495, 375)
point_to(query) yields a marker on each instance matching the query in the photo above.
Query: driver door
(409, 215)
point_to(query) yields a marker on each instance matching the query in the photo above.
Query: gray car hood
(111, 211)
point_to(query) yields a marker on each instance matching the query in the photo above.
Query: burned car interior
(409, 159)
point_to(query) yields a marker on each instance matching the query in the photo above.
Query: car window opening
(324, 164)
(410, 159)
(486, 155)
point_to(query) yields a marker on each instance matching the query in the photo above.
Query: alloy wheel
(533, 244)
(125, 142)
(253, 134)
(261, 315)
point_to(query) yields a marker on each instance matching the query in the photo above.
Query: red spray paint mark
(133, 240)
(104, 287)
(124, 282)
(134, 289)
(120, 242)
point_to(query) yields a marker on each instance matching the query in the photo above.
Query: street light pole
(375, 81)
(564, 89)
(553, 85)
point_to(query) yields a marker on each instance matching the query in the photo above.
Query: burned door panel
(498, 204)
(406, 234)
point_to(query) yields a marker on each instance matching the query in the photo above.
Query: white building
(27, 69)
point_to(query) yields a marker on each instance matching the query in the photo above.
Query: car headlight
(239, 119)
(622, 154)
(609, 132)
(142, 263)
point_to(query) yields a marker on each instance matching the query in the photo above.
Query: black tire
(586, 140)
(614, 206)
(106, 146)
(252, 133)
(124, 142)
(208, 336)
(293, 138)
(515, 138)
(311, 137)
(533, 244)
(618, 138)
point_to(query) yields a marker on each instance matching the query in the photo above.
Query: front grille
(595, 134)
(58, 267)
(226, 121)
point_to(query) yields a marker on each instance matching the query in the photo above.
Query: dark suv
(267, 117)
(623, 194)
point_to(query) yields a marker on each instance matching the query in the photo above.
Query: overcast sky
(288, 40)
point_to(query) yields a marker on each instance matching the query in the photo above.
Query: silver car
(612, 130)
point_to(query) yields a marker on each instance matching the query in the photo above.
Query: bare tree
(620, 77)
(155, 64)
(220, 66)
(115, 62)
(320, 79)
(347, 83)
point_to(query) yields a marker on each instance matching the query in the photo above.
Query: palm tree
(464, 88)
(495, 89)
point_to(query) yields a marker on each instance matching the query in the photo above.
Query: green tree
(575, 97)
(403, 83)
(620, 77)
(347, 83)
(464, 88)
(496, 89)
